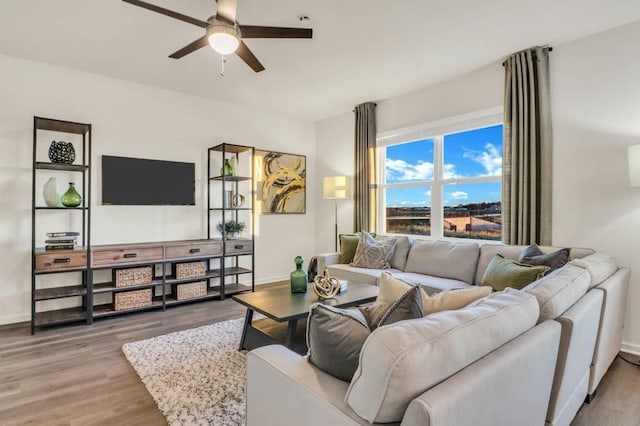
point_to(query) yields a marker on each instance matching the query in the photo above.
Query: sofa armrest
(327, 259)
(509, 386)
(609, 340)
(283, 388)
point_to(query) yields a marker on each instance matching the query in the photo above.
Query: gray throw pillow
(335, 337)
(532, 255)
(373, 254)
(407, 306)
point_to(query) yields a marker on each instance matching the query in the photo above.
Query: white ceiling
(361, 49)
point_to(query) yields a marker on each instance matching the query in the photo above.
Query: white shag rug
(197, 376)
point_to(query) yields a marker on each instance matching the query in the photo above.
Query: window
(444, 179)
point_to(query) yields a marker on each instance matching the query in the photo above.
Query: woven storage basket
(132, 276)
(132, 299)
(191, 290)
(190, 270)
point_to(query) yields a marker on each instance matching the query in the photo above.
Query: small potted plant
(231, 228)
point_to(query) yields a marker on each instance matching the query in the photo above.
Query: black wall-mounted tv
(141, 182)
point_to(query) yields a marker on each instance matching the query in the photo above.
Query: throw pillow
(335, 337)
(373, 254)
(348, 246)
(407, 306)
(502, 273)
(453, 299)
(532, 255)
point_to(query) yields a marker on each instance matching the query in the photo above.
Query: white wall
(596, 115)
(134, 120)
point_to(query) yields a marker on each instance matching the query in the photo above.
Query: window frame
(437, 131)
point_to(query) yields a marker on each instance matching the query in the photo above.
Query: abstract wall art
(281, 182)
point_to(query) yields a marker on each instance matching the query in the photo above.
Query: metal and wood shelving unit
(48, 262)
(237, 261)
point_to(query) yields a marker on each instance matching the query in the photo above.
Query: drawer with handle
(238, 246)
(102, 257)
(59, 261)
(193, 250)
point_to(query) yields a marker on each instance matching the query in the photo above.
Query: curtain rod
(375, 104)
(524, 50)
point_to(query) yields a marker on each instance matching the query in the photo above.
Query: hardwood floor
(78, 375)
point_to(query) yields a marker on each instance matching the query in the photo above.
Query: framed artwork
(281, 182)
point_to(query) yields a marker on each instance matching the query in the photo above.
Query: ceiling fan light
(224, 38)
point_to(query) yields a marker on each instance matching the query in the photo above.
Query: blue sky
(468, 154)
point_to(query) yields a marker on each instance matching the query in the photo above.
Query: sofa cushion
(359, 275)
(559, 290)
(443, 259)
(502, 273)
(401, 361)
(396, 301)
(453, 299)
(431, 284)
(373, 254)
(335, 337)
(488, 251)
(532, 255)
(600, 265)
(400, 253)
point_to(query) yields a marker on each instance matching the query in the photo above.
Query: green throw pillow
(502, 273)
(348, 246)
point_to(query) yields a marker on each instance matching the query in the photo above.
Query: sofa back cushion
(488, 251)
(600, 266)
(559, 290)
(400, 253)
(401, 361)
(443, 259)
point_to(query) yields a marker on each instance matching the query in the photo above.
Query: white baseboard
(272, 279)
(13, 319)
(630, 348)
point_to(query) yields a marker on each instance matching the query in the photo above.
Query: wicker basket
(191, 290)
(190, 270)
(132, 299)
(132, 276)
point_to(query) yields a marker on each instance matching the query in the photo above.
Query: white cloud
(428, 193)
(459, 195)
(400, 170)
(490, 159)
(449, 172)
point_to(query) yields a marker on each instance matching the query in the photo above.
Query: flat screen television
(141, 182)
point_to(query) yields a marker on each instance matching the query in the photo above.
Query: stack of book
(61, 240)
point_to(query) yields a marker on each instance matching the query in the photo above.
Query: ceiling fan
(224, 33)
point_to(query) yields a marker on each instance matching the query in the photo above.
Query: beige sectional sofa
(527, 356)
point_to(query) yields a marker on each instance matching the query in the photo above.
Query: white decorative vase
(50, 193)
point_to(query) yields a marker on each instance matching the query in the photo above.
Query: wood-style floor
(78, 375)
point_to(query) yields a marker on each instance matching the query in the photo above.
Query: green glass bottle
(299, 277)
(226, 169)
(71, 198)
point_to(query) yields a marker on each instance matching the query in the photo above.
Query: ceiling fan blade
(190, 48)
(255, 31)
(248, 56)
(227, 10)
(167, 12)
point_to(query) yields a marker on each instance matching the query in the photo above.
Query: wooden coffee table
(280, 305)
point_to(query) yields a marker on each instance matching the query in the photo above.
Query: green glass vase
(71, 198)
(299, 277)
(226, 169)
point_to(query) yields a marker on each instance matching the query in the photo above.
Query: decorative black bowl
(62, 152)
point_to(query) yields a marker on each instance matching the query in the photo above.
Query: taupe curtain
(365, 188)
(527, 150)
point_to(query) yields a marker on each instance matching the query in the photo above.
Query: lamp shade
(634, 165)
(335, 187)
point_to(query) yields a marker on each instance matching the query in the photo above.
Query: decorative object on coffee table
(298, 277)
(62, 152)
(71, 198)
(231, 229)
(326, 286)
(282, 182)
(50, 193)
